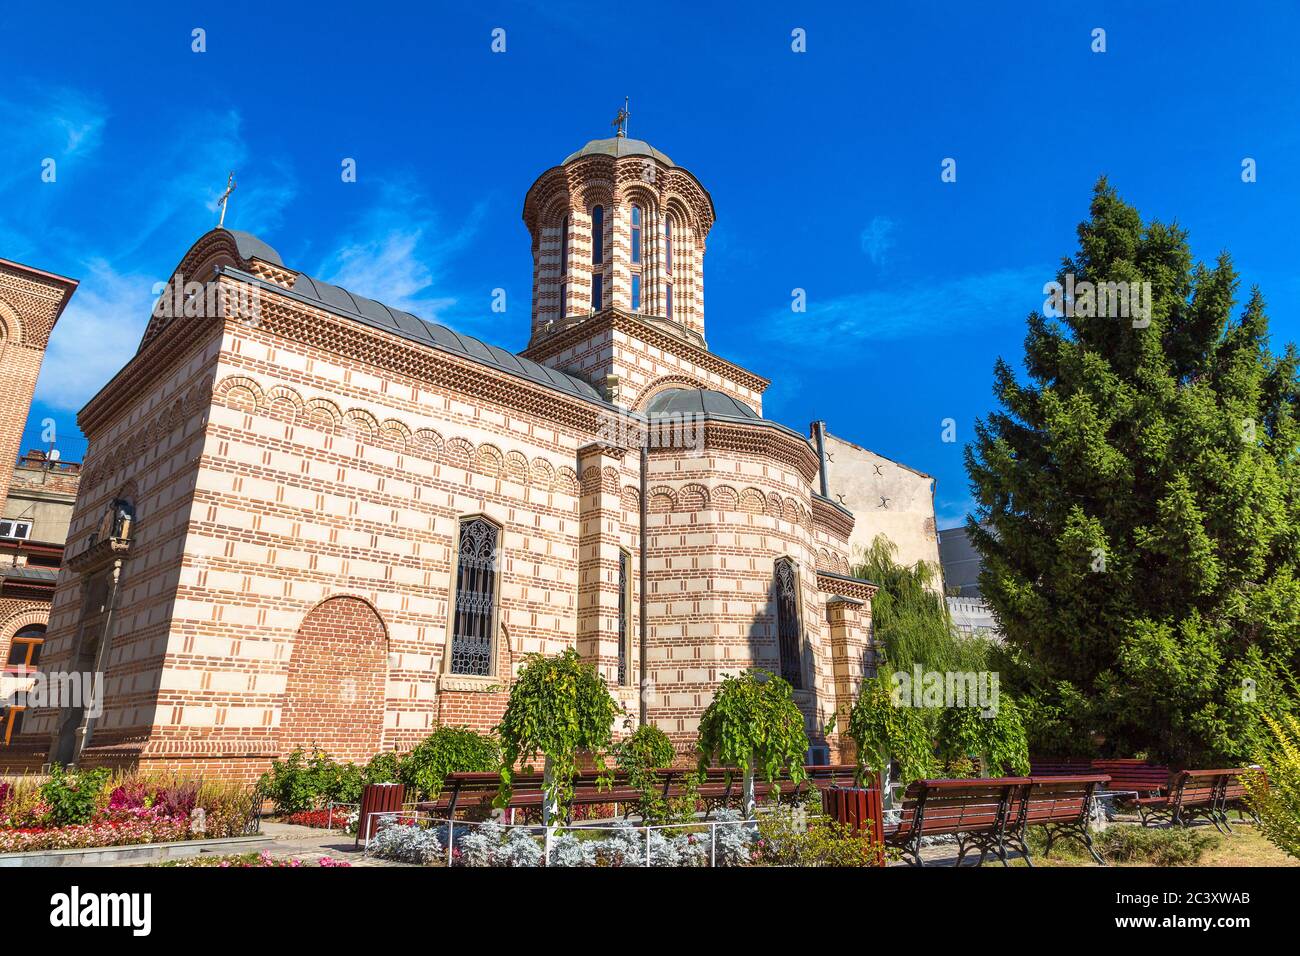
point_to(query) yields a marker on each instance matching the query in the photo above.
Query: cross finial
(621, 119)
(225, 198)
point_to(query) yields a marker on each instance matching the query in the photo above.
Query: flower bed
(256, 860)
(90, 809)
(337, 818)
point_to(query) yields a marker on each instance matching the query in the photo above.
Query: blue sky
(824, 167)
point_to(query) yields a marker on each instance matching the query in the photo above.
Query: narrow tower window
(636, 235)
(597, 235)
(636, 293)
(788, 637)
(597, 291)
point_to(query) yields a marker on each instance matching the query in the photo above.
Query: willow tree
(559, 708)
(909, 617)
(1138, 502)
(754, 725)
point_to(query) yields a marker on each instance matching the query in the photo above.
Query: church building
(308, 519)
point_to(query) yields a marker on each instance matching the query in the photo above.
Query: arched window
(476, 593)
(788, 636)
(597, 235)
(636, 235)
(25, 649)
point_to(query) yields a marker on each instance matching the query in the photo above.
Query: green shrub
(383, 768)
(447, 750)
(1274, 792)
(73, 796)
(1128, 843)
(644, 751)
(300, 783)
(788, 837)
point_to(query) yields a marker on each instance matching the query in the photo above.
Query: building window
(624, 610)
(25, 649)
(20, 530)
(636, 293)
(668, 246)
(787, 627)
(668, 302)
(597, 292)
(597, 235)
(564, 246)
(11, 722)
(636, 235)
(476, 579)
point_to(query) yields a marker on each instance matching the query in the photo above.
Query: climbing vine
(559, 707)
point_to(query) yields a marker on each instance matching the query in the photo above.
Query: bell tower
(618, 226)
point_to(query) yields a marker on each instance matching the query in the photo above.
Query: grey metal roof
(412, 327)
(619, 146)
(700, 401)
(251, 247)
(30, 573)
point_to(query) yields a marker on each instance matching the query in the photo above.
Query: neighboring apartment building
(961, 571)
(886, 498)
(38, 493)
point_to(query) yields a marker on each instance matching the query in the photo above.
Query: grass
(1126, 844)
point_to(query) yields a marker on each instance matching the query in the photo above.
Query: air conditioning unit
(15, 530)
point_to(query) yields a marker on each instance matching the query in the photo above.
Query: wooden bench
(1062, 806)
(1193, 793)
(1234, 796)
(1134, 775)
(978, 812)
(473, 794)
(1059, 768)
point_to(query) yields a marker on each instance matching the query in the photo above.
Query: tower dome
(619, 146)
(618, 226)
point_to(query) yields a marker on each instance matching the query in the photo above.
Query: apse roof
(700, 401)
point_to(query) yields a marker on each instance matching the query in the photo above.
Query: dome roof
(251, 247)
(700, 401)
(619, 146)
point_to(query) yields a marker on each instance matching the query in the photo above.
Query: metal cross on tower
(225, 198)
(620, 120)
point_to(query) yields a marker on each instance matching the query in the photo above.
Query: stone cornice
(842, 585)
(831, 517)
(620, 321)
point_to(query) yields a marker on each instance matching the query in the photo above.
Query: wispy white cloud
(400, 255)
(95, 336)
(123, 217)
(877, 239)
(952, 512)
(921, 310)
